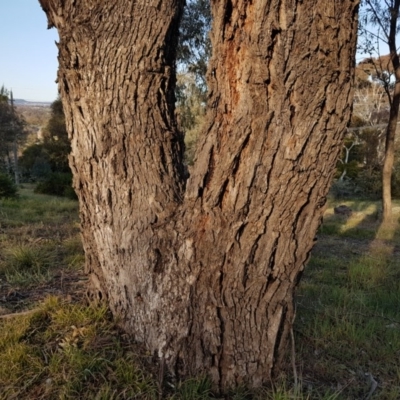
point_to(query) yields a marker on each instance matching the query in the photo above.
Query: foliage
(194, 51)
(56, 142)
(57, 184)
(368, 127)
(364, 165)
(194, 47)
(54, 149)
(385, 18)
(370, 182)
(12, 133)
(7, 186)
(41, 169)
(47, 161)
(190, 112)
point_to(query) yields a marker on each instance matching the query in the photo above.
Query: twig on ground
(374, 385)
(294, 358)
(294, 352)
(19, 314)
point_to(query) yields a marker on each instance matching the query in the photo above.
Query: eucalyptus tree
(384, 16)
(203, 269)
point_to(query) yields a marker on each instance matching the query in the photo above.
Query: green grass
(39, 236)
(28, 264)
(347, 327)
(69, 351)
(348, 323)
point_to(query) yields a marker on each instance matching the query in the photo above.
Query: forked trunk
(205, 277)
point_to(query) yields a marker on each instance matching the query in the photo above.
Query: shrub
(370, 183)
(8, 189)
(57, 184)
(41, 169)
(344, 189)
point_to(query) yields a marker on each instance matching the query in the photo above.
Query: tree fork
(205, 277)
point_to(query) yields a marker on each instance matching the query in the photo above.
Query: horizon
(29, 63)
(33, 101)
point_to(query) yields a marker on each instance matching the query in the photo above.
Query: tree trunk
(15, 163)
(205, 276)
(388, 162)
(14, 129)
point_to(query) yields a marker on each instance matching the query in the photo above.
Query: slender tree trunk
(346, 160)
(15, 143)
(388, 162)
(8, 160)
(205, 276)
(15, 154)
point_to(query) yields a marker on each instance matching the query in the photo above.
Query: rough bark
(280, 88)
(205, 277)
(116, 78)
(387, 170)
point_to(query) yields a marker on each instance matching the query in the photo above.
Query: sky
(28, 54)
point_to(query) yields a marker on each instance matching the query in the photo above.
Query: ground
(40, 251)
(54, 345)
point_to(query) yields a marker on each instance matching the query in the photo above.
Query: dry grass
(347, 331)
(348, 326)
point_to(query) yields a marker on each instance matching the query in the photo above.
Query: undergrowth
(347, 331)
(348, 324)
(66, 351)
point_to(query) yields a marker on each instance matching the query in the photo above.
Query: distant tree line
(46, 161)
(359, 170)
(12, 135)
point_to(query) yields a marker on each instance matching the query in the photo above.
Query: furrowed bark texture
(206, 281)
(116, 78)
(280, 87)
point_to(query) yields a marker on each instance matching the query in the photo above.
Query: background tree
(203, 271)
(8, 189)
(46, 161)
(56, 144)
(12, 134)
(193, 54)
(190, 111)
(384, 16)
(359, 170)
(194, 45)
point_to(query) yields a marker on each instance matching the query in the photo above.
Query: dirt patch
(69, 285)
